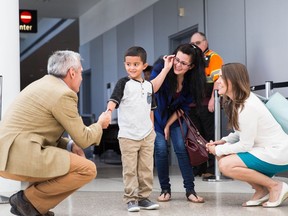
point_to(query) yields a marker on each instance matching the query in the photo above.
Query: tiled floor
(103, 197)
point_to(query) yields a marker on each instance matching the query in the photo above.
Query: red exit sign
(28, 21)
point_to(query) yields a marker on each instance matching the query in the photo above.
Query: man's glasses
(184, 64)
(197, 42)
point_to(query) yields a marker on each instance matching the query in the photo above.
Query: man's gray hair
(61, 61)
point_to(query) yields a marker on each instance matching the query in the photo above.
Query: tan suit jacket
(31, 142)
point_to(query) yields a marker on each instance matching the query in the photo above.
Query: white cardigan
(259, 134)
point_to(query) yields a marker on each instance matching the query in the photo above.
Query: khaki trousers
(137, 163)
(46, 193)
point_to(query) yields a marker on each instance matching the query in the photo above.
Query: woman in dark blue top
(178, 80)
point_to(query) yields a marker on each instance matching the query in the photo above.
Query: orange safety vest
(214, 63)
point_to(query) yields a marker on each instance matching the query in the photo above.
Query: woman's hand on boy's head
(168, 61)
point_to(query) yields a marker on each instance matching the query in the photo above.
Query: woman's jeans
(162, 162)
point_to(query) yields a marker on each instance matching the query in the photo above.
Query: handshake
(105, 118)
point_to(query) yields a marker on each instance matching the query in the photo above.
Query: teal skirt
(263, 167)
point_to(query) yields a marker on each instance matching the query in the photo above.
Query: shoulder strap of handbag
(189, 121)
(179, 115)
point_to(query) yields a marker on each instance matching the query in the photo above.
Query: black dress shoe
(22, 207)
(16, 212)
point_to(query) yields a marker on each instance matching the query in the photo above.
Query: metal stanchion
(3, 199)
(268, 89)
(217, 123)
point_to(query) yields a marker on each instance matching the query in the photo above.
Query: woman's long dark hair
(195, 77)
(236, 75)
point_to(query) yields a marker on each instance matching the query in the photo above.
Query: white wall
(107, 14)
(266, 35)
(143, 26)
(110, 60)
(165, 24)
(251, 32)
(193, 14)
(125, 39)
(225, 29)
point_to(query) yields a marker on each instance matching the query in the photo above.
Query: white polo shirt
(134, 100)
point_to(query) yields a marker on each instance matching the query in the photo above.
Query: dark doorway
(86, 92)
(181, 37)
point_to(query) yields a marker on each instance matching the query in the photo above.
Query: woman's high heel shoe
(282, 197)
(258, 202)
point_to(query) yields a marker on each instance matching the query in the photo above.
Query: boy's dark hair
(137, 51)
(148, 69)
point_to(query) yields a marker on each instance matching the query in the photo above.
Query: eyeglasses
(184, 64)
(197, 42)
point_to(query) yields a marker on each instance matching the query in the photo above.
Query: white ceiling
(58, 8)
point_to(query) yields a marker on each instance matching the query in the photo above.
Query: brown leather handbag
(194, 142)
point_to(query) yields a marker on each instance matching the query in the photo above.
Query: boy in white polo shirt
(134, 98)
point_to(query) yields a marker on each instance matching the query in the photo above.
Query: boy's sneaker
(133, 206)
(147, 204)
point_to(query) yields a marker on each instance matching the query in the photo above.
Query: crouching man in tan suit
(32, 148)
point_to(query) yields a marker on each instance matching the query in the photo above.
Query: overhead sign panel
(28, 21)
